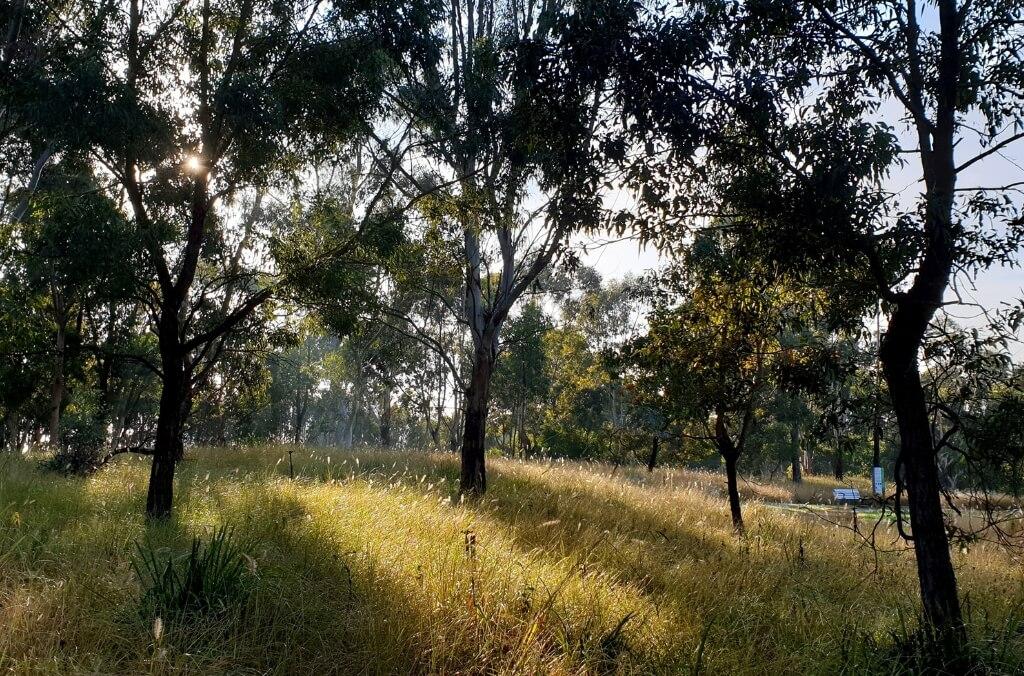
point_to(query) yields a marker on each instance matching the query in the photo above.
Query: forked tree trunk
(435, 436)
(908, 323)
(730, 452)
(473, 481)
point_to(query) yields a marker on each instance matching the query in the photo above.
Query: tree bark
(222, 417)
(350, 428)
(653, 460)
(937, 578)
(908, 323)
(456, 422)
(174, 401)
(731, 458)
(385, 418)
(794, 438)
(730, 452)
(57, 388)
(301, 406)
(473, 481)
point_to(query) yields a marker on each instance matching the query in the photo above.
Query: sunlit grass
(364, 564)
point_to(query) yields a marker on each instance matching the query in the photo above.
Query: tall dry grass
(363, 564)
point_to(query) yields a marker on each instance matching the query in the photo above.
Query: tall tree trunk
(222, 416)
(730, 452)
(652, 461)
(385, 418)
(117, 433)
(340, 424)
(794, 440)
(301, 407)
(731, 458)
(876, 445)
(937, 578)
(353, 415)
(174, 400)
(57, 387)
(456, 423)
(474, 438)
(837, 467)
(908, 323)
(523, 437)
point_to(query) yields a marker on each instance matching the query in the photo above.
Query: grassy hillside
(361, 564)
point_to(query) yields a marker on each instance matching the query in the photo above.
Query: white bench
(841, 495)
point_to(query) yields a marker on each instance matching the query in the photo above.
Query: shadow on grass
(403, 620)
(551, 515)
(312, 603)
(757, 599)
(66, 546)
(683, 568)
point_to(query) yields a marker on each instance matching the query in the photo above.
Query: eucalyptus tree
(383, 360)
(74, 246)
(427, 279)
(209, 105)
(521, 381)
(812, 109)
(993, 430)
(37, 73)
(22, 340)
(723, 337)
(508, 125)
(784, 438)
(583, 408)
(971, 384)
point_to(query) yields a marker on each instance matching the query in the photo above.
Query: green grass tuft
(208, 579)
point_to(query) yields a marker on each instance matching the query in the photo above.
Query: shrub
(80, 456)
(82, 448)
